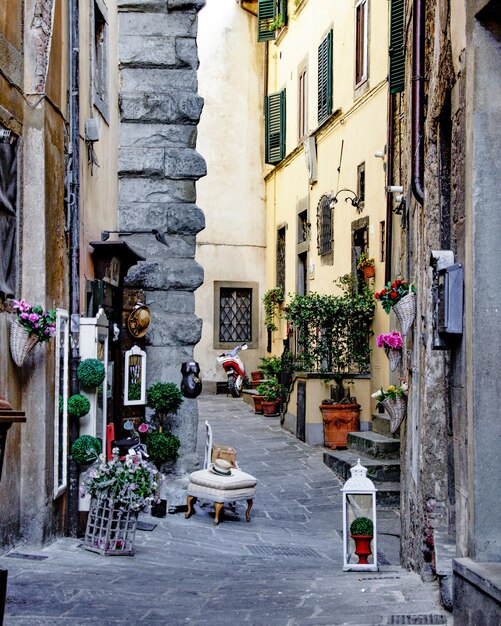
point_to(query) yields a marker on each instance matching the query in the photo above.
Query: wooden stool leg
(249, 507)
(219, 507)
(191, 509)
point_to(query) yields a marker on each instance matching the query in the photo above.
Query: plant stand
(111, 530)
(339, 420)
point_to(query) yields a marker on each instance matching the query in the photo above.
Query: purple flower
(24, 316)
(33, 317)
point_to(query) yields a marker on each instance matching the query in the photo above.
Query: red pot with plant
(362, 532)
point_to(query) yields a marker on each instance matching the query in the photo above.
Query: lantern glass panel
(358, 505)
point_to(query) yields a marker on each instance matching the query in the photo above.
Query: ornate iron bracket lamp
(355, 200)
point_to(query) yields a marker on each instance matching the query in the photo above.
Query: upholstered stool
(221, 489)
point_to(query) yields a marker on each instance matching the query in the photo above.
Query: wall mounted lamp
(355, 200)
(159, 236)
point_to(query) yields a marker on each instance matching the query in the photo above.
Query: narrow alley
(282, 568)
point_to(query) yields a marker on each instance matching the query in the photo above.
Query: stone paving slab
(281, 569)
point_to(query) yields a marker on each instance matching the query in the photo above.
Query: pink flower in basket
(390, 341)
(35, 320)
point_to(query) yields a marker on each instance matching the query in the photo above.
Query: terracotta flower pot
(369, 271)
(257, 375)
(339, 420)
(362, 548)
(271, 408)
(258, 403)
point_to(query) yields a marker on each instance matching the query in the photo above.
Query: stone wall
(435, 432)
(158, 167)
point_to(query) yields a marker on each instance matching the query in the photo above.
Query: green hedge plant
(164, 397)
(90, 373)
(362, 526)
(86, 449)
(162, 447)
(78, 405)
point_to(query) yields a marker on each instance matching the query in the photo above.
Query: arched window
(324, 224)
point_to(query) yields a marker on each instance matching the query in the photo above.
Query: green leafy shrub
(270, 389)
(362, 526)
(164, 397)
(86, 449)
(272, 300)
(90, 373)
(162, 447)
(78, 406)
(134, 391)
(271, 366)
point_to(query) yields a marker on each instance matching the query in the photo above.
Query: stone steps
(378, 470)
(381, 425)
(374, 445)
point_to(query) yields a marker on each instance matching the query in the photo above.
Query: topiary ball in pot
(362, 526)
(162, 447)
(86, 449)
(90, 373)
(78, 406)
(164, 397)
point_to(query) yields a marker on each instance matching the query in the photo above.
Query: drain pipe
(389, 196)
(418, 32)
(73, 199)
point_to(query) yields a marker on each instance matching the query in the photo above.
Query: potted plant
(362, 532)
(366, 265)
(394, 401)
(165, 398)
(401, 297)
(90, 373)
(33, 325)
(86, 449)
(118, 490)
(162, 448)
(271, 391)
(392, 344)
(340, 416)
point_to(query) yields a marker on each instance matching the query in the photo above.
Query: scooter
(235, 370)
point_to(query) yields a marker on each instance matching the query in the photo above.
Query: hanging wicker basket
(405, 310)
(21, 342)
(394, 357)
(396, 410)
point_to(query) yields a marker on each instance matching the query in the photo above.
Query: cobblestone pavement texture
(284, 568)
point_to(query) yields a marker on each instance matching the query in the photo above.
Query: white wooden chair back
(208, 445)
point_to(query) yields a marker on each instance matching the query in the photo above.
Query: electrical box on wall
(450, 300)
(447, 293)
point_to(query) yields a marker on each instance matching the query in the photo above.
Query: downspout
(418, 32)
(73, 177)
(389, 196)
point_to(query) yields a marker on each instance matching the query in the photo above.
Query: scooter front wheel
(232, 386)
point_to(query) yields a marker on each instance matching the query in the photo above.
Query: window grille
(281, 258)
(235, 315)
(324, 229)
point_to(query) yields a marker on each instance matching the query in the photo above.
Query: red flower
(384, 292)
(393, 295)
(376, 295)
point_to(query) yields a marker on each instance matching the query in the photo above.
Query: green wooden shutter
(282, 10)
(274, 121)
(397, 46)
(266, 13)
(325, 78)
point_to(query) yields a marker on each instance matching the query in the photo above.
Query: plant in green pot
(362, 532)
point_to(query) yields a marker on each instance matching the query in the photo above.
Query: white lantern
(359, 522)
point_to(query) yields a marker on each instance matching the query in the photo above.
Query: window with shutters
(361, 41)
(271, 18)
(324, 225)
(325, 78)
(302, 105)
(274, 123)
(361, 186)
(99, 56)
(397, 46)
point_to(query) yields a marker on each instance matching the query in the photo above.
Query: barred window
(235, 314)
(324, 225)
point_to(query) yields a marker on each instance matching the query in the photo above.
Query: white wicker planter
(21, 342)
(405, 310)
(111, 530)
(396, 410)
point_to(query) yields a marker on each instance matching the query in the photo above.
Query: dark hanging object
(191, 385)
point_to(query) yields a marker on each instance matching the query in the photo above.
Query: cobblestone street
(282, 568)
